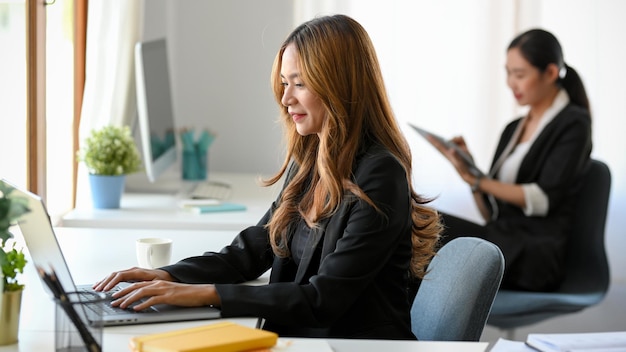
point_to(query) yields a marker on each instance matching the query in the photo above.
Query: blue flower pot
(106, 191)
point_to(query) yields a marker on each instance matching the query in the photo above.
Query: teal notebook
(214, 208)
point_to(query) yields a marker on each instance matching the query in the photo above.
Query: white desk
(93, 253)
(160, 210)
(118, 342)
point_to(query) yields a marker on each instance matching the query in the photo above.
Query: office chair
(455, 296)
(587, 278)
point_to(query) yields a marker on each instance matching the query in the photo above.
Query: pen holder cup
(194, 165)
(78, 322)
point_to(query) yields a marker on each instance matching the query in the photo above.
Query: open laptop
(46, 253)
(473, 169)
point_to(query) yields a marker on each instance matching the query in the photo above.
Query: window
(13, 92)
(59, 130)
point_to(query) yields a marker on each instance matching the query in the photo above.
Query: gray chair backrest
(455, 297)
(587, 264)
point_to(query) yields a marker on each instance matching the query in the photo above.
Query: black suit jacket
(352, 279)
(534, 246)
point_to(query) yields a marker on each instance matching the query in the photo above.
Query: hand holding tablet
(473, 169)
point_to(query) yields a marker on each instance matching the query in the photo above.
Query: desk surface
(43, 341)
(93, 253)
(159, 210)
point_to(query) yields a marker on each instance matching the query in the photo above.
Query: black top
(298, 241)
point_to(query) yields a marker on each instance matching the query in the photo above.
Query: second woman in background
(528, 196)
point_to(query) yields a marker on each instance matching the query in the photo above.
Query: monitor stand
(170, 182)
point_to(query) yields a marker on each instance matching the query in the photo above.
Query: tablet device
(473, 169)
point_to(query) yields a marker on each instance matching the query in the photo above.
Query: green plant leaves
(12, 264)
(12, 261)
(110, 151)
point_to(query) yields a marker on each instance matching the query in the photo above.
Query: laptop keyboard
(210, 190)
(107, 308)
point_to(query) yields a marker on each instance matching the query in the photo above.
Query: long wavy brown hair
(337, 62)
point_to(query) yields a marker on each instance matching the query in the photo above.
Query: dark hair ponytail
(541, 48)
(575, 88)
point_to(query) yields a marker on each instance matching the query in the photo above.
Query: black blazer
(352, 280)
(534, 246)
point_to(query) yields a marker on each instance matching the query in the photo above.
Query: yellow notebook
(217, 337)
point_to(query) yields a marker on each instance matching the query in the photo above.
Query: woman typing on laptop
(347, 231)
(527, 198)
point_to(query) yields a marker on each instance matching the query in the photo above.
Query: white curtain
(443, 62)
(113, 28)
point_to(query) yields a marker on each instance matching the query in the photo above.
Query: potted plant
(110, 154)
(12, 262)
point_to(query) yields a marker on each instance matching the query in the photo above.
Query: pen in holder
(78, 322)
(194, 165)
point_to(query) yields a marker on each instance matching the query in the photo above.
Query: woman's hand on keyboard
(130, 275)
(149, 293)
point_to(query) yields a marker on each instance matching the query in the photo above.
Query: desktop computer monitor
(154, 108)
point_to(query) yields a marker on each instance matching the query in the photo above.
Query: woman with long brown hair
(346, 233)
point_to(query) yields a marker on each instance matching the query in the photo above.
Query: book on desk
(217, 337)
(209, 206)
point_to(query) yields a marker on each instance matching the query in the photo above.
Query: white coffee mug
(153, 252)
